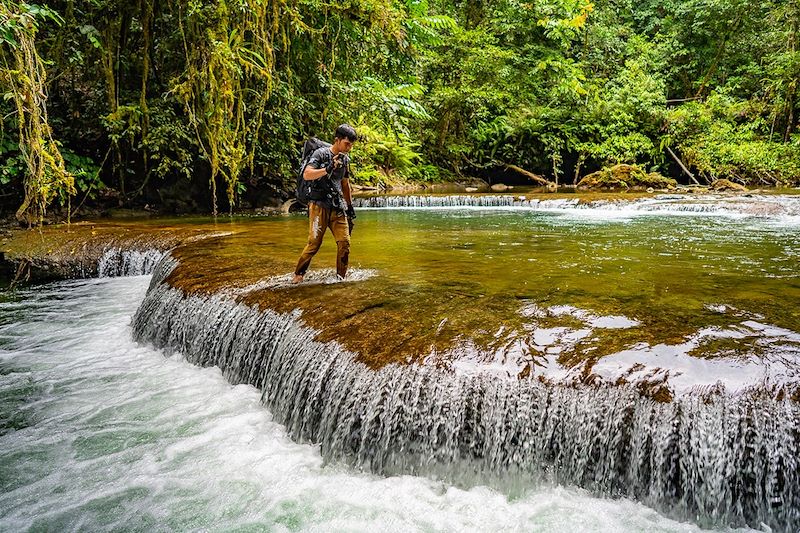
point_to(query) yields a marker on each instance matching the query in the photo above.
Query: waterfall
(752, 205)
(460, 201)
(121, 262)
(714, 457)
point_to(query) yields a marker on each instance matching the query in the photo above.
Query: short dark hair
(346, 131)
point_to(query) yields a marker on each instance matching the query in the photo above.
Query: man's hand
(335, 163)
(351, 213)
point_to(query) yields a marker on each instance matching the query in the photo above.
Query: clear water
(563, 294)
(99, 433)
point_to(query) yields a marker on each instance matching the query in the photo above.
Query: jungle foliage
(189, 104)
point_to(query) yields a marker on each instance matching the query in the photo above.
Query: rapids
(99, 433)
(725, 205)
(717, 457)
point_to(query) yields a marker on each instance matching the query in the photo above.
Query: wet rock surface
(520, 303)
(83, 249)
(567, 327)
(697, 456)
(626, 177)
(727, 185)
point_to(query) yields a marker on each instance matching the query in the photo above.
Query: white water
(715, 457)
(119, 262)
(113, 435)
(782, 208)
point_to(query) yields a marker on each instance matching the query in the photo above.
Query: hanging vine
(229, 50)
(23, 77)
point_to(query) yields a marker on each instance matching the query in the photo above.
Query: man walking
(331, 201)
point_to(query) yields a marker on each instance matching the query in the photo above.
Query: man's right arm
(316, 167)
(311, 173)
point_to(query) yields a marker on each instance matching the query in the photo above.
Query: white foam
(123, 262)
(776, 209)
(122, 438)
(325, 276)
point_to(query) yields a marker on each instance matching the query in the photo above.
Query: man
(330, 169)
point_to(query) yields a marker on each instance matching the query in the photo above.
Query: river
(99, 433)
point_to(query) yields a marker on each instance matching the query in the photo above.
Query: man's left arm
(347, 193)
(348, 196)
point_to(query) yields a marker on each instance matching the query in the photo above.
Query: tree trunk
(578, 165)
(529, 175)
(683, 167)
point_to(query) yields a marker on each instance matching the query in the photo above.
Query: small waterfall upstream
(752, 205)
(121, 262)
(714, 457)
(446, 201)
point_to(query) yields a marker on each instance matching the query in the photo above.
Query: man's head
(344, 138)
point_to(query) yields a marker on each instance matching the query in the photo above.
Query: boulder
(625, 177)
(727, 185)
(471, 189)
(500, 187)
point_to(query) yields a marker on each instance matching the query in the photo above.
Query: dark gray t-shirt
(321, 158)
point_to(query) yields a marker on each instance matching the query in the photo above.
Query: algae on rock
(727, 185)
(625, 177)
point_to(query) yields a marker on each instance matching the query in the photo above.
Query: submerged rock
(625, 177)
(87, 249)
(393, 375)
(474, 388)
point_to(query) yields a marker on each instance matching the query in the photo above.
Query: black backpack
(304, 187)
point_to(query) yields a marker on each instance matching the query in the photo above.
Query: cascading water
(745, 205)
(121, 262)
(716, 457)
(117, 436)
(98, 433)
(443, 201)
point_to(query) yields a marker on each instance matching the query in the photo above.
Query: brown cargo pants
(320, 219)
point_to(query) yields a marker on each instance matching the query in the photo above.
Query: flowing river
(98, 432)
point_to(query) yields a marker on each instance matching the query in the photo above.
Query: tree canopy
(204, 104)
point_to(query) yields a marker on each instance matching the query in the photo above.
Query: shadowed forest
(191, 106)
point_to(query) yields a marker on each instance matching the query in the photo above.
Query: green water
(438, 280)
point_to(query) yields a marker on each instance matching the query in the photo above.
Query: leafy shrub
(382, 159)
(724, 138)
